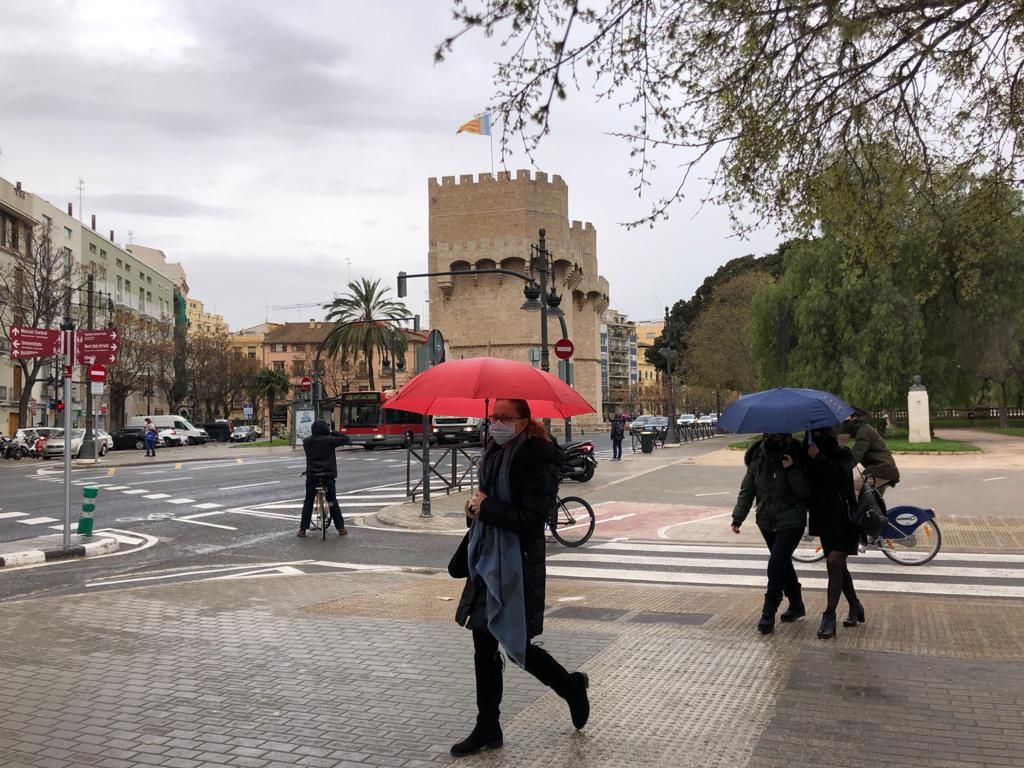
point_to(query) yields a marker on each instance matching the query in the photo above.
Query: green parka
(869, 449)
(781, 493)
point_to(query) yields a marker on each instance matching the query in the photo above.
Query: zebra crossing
(952, 574)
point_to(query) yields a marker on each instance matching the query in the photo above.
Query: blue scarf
(495, 557)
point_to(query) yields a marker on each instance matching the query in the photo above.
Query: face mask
(501, 433)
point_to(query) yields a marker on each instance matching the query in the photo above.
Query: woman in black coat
(830, 470)
(521, 464)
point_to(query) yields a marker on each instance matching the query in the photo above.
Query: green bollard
(88, 507)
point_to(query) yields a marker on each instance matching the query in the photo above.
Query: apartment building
(650, 390)
(619, 372)
(203, 322)
(17, 228)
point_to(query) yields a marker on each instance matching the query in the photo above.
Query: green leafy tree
(765, 96)
(367, 321)
(272, 385)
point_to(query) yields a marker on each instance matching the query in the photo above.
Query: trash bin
(646, 442)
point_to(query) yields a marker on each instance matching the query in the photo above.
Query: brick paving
(368, 670)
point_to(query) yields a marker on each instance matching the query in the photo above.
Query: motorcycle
(11, 449)
(579, 461)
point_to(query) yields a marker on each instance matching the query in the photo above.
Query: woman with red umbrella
(502, 559)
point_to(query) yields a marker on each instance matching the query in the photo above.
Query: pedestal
(918, 419)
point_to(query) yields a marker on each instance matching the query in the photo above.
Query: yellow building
(201, 321)
(650, 395)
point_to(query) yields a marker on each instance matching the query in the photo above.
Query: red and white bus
(368, 424)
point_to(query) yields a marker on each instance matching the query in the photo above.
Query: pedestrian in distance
(775, 479)
(830, 470)
(502, 560)
(322, 466)
(149, 437)
(870, 451)
(617, 434)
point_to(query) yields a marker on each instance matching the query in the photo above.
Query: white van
(192, 434)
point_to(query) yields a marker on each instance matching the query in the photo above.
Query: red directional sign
(564, 349)
(34, 342)
(306, 383)
(97, 347)
(97, 373)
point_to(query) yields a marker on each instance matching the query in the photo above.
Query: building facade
(202, 322)
(487, 222)
(650, 390)
(619, 374)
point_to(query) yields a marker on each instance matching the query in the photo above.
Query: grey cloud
(158, 205)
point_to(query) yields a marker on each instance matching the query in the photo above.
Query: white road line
(8, 515)
(153, 482)
(207, 505)
(663, 532)
(180, 501)
(990, 479)
(717, 493)
(248, 485)
(191, 519)
(157, 496)
(711, 550)
(136, 491)
(117, 487)
(38, 520)
(372, 496)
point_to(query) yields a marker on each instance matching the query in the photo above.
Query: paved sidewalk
(368, 670)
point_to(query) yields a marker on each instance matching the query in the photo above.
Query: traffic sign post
(564, 349)
(97, 347)
(306, 383)
(34, 342)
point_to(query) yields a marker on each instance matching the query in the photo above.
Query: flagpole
(490, 135)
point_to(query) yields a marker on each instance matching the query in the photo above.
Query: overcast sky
(273, 147)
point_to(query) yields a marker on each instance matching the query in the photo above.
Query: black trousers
(782, 578)
(617, 448)
(332, 501)
(487, 665)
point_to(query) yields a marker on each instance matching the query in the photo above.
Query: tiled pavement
(368, 670)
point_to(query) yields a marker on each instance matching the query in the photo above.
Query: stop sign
(306, 384)
(97, 373)
(564, 349)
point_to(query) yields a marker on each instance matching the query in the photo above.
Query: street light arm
(492, 271)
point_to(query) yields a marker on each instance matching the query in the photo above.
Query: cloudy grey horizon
(275, 152)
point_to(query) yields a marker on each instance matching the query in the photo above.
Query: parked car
(243, 435)
(182, 426)
(129, 439)
(708, 418)
(687, 419)
(172, 436)
(638, 424)
(219, 430)
(658, 425)
(55, 444)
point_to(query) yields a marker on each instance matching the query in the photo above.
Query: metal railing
(687, 433)
(460, 472)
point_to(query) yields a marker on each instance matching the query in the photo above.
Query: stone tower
(492, 222)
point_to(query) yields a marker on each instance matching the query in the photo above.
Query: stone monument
(919, 422)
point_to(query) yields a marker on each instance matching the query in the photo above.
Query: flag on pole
(480, 125)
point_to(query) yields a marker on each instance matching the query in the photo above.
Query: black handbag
(870, 513)
(458, 566)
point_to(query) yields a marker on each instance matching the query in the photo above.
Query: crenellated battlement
(522, 176)
(581, 226)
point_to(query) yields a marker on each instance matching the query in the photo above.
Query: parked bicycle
(910, 537)
(321, 519)
(572, 521)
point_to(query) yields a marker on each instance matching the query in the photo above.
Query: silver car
(55, 445)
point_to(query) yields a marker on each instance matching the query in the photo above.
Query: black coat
(534, 486)
(319, 448)
(831, 476)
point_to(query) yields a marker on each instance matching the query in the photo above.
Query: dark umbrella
(784, 410)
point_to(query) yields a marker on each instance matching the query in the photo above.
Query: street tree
(272, 384)
(35, 275)
(759, 98)
(366, 321)
(143, 342)
(208, 372)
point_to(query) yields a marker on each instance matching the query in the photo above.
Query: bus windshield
(360, 414)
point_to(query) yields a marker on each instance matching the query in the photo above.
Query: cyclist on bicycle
(322, 467)
(870, 451)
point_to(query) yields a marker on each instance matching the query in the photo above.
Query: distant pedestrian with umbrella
(830, 469)
(502, 559)
(775, 479)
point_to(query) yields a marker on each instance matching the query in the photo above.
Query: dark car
(126, 439)
(658, 425)
(243, 435)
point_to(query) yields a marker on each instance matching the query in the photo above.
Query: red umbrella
(468, 387)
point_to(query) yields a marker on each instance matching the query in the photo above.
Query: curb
(102, 546)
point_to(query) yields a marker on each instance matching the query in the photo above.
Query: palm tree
(272, 384)
(365, 321)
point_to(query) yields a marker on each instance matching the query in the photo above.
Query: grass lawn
(261, 443)
(898, 443)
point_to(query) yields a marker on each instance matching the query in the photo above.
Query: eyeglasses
(494, 419)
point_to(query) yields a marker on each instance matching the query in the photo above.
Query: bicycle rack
(454, 479)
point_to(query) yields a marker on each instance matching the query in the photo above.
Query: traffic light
(402, 288)
(60, 406)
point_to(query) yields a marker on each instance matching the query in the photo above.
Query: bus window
(360, 415)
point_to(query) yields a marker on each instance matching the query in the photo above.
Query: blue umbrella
(784, 410)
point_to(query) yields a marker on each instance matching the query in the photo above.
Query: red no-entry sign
(97, 373)
(307, 383)
(564, 349)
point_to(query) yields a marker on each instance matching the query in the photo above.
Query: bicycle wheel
(572, 523)
(322, 513)
(809, 550)
(916, 548)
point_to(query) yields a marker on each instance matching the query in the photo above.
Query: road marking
(207, 505)
(990, 479)
(135, 491)
(7, 515)
(153, 482)
(177, 465)
(239, 461)
(180, 501)
(111, 471)
(38, 520)
(663, 532)
(157, 496)
(118, 487)
(248, 485)
(192, 519)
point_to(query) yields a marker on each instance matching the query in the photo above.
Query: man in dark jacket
(618, 433)
(322, 465)
(870, 451)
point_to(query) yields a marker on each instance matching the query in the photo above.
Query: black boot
(796, 608)
(767, 623)
(484, 736)
(579, 702)
(827, 628)
(572, 688)
(856, 615)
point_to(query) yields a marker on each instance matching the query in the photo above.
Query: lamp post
(667, 352)
(149, 390)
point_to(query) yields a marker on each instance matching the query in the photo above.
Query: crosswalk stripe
(180, 501)
(157, 496)
(207, 505)
(7, 515)
(135, 491)
(117, 487)
(37, 520)
(761, 551)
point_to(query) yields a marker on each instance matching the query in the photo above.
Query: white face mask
(501, 433)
